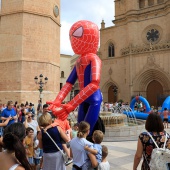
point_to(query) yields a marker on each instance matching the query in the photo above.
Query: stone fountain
(120, 127)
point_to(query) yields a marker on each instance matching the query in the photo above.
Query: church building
(135, 52)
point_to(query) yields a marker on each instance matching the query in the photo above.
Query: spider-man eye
(78, 32)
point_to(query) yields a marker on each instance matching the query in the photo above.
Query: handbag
(64, 155)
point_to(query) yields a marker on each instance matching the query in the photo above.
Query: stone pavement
(121, 155)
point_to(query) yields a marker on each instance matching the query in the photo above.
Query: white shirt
(104, 166)
(34, 125)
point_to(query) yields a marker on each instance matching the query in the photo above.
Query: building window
(62, 74)
(160, 1)
(141, 3)
(152, 35)
(61, 85)
(111, 50)
(150, 2)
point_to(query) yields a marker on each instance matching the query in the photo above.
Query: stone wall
(29, 46)
(136, 58)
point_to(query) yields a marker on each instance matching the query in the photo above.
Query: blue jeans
(1, 131)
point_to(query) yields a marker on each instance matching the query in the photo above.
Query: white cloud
(65, 45)
(75, 10)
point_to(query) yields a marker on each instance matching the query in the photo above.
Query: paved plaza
(121, 155)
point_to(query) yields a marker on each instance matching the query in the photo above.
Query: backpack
(160, 157)
(99, 125)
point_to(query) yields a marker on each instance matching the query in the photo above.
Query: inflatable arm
(64, 91)
(85, 92)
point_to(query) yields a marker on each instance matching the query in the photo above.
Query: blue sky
(75, 10)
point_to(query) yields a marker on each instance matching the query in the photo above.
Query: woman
(154, 125)
(52, 157)
(80, 156)
(29, 122)
(14, 156)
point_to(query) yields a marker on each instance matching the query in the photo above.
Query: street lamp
(41, 83)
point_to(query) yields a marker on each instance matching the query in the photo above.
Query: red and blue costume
(84, 38)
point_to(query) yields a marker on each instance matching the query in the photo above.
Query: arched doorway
(154, 92)
(112, 94)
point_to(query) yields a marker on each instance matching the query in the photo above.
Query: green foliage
(120, 100)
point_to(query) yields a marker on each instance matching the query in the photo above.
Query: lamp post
(41, 83)
(72, 93)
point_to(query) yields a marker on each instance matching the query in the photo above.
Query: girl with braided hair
(77, 144)
(14, 155)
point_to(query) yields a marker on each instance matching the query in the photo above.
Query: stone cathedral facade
(29, 46)
(135, 52)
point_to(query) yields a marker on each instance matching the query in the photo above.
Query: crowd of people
(110, 106)
(34, 139)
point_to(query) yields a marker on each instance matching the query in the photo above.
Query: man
(9, 112)
(39, 107)
(165, 115)
(31, 109)
(45, 111)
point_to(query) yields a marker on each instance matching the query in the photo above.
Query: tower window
(141, 3)
(61, 85)
(150, 2)
(111, 50)
(62, 74)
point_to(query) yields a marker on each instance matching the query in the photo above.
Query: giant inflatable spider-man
(84, 38)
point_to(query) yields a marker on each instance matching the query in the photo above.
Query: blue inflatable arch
(143, 100)
(166, 103)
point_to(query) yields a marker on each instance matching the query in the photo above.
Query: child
(64, 125)
(36, 153)
(75, 130)
(104, 165)
(29, 143)
(97, 148)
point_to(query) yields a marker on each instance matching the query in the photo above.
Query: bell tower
(125, 9)
(29, 46)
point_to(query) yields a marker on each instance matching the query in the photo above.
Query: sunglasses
(29, 116)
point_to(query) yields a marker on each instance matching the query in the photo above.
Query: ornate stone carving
(145, 48)
(110, 71)
(151, 59)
